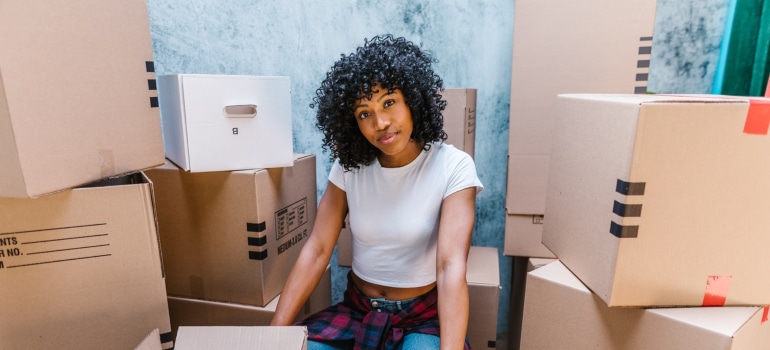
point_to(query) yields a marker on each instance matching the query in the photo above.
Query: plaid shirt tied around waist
(355, 319)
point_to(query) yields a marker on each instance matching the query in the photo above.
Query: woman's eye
(389, 103)
(363, 115)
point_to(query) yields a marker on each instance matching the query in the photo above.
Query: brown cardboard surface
(483, 276)
(523, 236)
(233, 236)
(562, 313)
(196, 312)
(703, 212)
(150, 342)
(536, 263)
(82, 268)
(75, 104)
(562, 46)
(242, 338)
(460, 118)
(220, 122)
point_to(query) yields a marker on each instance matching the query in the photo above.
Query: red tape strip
(765, 314)
(758, 117)
(716, 290)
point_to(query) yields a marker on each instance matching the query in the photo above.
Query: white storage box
(226, 122)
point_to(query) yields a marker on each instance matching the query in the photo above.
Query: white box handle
(240, 111)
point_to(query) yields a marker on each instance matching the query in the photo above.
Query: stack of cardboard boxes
(122, 222)
(651, 203)
(559, 47)
(563, 47)
(80, 265)
(235, 205)
(656, 210)
(230, 237)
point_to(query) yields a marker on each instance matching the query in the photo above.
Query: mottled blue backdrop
(471, 39)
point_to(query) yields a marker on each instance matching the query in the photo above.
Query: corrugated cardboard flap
(236, 338)
(642, 99)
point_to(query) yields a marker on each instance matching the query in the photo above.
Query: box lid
(483, 266)
(236, 338)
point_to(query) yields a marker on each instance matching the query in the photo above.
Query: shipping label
(53, 245)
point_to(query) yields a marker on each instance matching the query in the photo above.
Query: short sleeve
(463, 175)
(337, 175)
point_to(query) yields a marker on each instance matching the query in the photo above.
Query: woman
(411, 201)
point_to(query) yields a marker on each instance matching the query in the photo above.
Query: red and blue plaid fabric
(354, 319)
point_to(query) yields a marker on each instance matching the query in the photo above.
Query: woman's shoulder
(448, 152)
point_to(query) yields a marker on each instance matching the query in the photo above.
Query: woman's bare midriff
(390, 293)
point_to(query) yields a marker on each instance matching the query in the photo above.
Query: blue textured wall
(471, 39)
(686, 44)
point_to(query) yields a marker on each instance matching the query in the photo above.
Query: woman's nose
(382, 121)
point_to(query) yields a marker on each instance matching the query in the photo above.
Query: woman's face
(386, 121)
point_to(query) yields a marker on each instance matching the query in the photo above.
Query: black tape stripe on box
(627, 210)
(150, 66)
(257, 241)
(256, 227)
(630, 188)
(643, 64)
(166, 337)
(258, 255)
(621, 231)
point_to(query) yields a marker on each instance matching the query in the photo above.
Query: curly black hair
(392, 63)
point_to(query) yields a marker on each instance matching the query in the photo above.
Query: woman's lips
(387, 138)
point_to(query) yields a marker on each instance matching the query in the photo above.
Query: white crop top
(394, 213)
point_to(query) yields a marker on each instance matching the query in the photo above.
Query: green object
(761, 69)
(745, 63)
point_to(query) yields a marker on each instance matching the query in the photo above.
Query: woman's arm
(313, 258)
(458, 213)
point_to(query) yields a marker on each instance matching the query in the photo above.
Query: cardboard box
(662, 200)
(233, 236)
(226, 122)
(242, 338)
(536, 263)
(81, 269)
(524, 236)
(562, 46)
(150, 342)
(460, 118)
(196, 312)
(483, 276)
(562, 313)
(76, 105)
